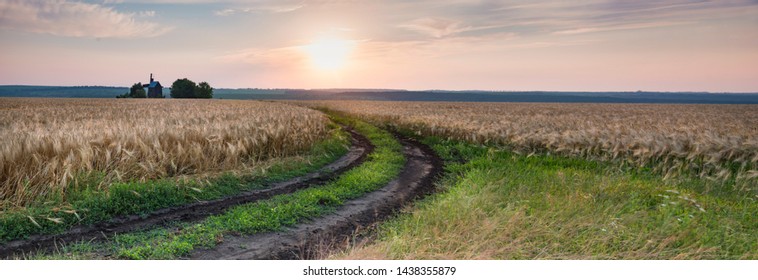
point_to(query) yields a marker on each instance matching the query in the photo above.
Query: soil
(310, 239)
(356, 155)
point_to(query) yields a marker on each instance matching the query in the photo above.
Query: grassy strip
(87, 204)
(501, 205)
(269, 215)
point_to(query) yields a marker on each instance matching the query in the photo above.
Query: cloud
(447, 46)
(436, 27)
(147, 13)
(75, 19)
(272, 57)
(540, 17)
(588, 29)
(629, 15)
(389, 52)
(267, 9)
(603, 16)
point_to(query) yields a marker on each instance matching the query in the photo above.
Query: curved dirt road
(308, 240)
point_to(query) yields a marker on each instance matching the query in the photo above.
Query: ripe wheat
(49, 145)
(715, 142)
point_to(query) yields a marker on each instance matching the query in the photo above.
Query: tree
(183, 88)
(204, 90)
(137, 91)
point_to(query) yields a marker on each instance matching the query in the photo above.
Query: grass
(496, 204)
(269, 215)
(87, 204)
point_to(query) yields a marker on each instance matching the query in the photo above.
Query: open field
(713, 142)
(520, 181)
(575, 181)
(50, 145)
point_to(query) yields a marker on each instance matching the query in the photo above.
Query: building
(154, 88)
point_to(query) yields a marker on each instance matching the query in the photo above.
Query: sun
(329, 54)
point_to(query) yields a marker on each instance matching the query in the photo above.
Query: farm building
(154, 88)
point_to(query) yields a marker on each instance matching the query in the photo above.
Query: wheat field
(714, 142)
(48, 145)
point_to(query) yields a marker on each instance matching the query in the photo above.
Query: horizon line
(427, 90)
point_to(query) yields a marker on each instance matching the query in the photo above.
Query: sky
(592, 45)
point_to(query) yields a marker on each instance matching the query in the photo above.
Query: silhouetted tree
(136, 91)
(204, 90)
(183, 88)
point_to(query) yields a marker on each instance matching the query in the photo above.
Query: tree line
(181, 88)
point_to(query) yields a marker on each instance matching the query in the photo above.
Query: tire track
(357, 154)
(307, 240)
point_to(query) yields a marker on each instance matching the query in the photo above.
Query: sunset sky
(589, 45)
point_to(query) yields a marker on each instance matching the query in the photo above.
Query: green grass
(501, 205)
(383, 164)
(85, 204)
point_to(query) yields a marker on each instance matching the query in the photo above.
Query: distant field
(407, 95)
(717, 142)
(62, 91)
(50, 145)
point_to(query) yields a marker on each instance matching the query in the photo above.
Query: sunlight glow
(329, 54)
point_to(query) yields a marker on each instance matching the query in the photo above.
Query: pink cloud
(74, 19)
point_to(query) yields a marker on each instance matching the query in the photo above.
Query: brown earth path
(311, 239)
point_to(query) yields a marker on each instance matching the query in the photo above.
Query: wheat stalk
(48, 145)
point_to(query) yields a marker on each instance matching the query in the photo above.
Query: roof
(154, 84)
